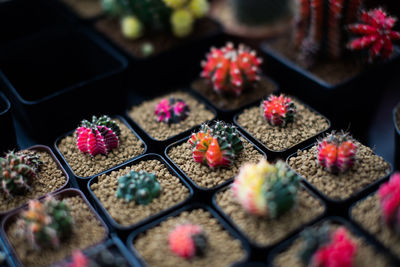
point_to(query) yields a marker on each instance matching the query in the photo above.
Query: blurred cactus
(141, 187)
(389, 196)
(97, 257)
(171, 110)
(187, 241)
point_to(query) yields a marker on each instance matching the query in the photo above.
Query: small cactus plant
(99, 256)
(216, 145)
(266, 189)
(187, 241)
(376, 34)
(46, 224)
(231, 70)
(17, 171)
(320, 27)
(171, 110)
(156, 15)
(99, 136)
(389, 197)
(337, 152)
(279, 110)
(141, 187)
(324, 249)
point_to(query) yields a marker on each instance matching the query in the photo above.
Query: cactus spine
(17, 171)
(216, 145)
(187, 241)
(141, 187)
(266, 189)
(46, 224)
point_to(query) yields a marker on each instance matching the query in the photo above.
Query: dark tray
(192, 183)
(290, 234)
(286, 152)
(48, 150)
(110, 220)
(58, 75)
(8, 134)
(189, 207)
(396, 139)
(335, 220)
(12, 217)
(339, 206)
(81, 179)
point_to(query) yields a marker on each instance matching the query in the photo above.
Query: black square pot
(348, 103)
(59, 75)
(9, 139)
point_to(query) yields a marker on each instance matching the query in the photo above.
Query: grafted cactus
(389, 196)
(279, 110)
(171, 110)
(187, 241)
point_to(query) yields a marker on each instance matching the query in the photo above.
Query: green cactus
(227, 136)
(141, 187)
(102, 121)
(17, 171)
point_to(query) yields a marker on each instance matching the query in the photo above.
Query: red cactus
(97, 137)
(171, 110)
(231, 70)
(336, 152)
(279, 111)
(377, 34)
(187, 241)
(389, 196)
(340, 252)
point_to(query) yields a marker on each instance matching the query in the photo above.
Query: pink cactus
(97, 137)
(389, 196)
(187, 241)
(376, 34)
(171, 110)
(279, 110)
(231, 70)
(340, 252)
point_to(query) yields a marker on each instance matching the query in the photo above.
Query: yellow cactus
(175, 3)
(199, 8)
(182, 22)
(131, 27)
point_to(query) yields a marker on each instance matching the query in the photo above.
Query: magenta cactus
(99, 136)
(171, 110)
(187, 241)
(376, 34)
(389, 196)
(279, 110)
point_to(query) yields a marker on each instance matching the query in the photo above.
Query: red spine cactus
(171, 110)
(279, 110)
(98, 137)
(337, 152)
(187, 241)
(389, 196)
(376, 34)
(216, 145)
(231, 70)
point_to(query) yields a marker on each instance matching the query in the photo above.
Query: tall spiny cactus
(320, 28)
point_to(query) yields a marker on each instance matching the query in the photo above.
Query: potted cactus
(336, 50)
(339, 166)
(188, 237)
(231, 78)
(264, 196)
(46, 231)
(329, 244)
(136, 193)
(212, 155)
(378, 213)
(170, 115)
(98, 145)
(282, 122)
(29, 174)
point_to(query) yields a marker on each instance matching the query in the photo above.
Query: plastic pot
(12, 217)
(59, 75)
(111, 220)
(9, 138)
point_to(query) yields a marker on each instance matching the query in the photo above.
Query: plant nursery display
(265, 195)
(327, 245)
(339, 166)
(282, 122)
(231, 77)
(98, 145)
(212, 155)
(28, 174)
(167, 116)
